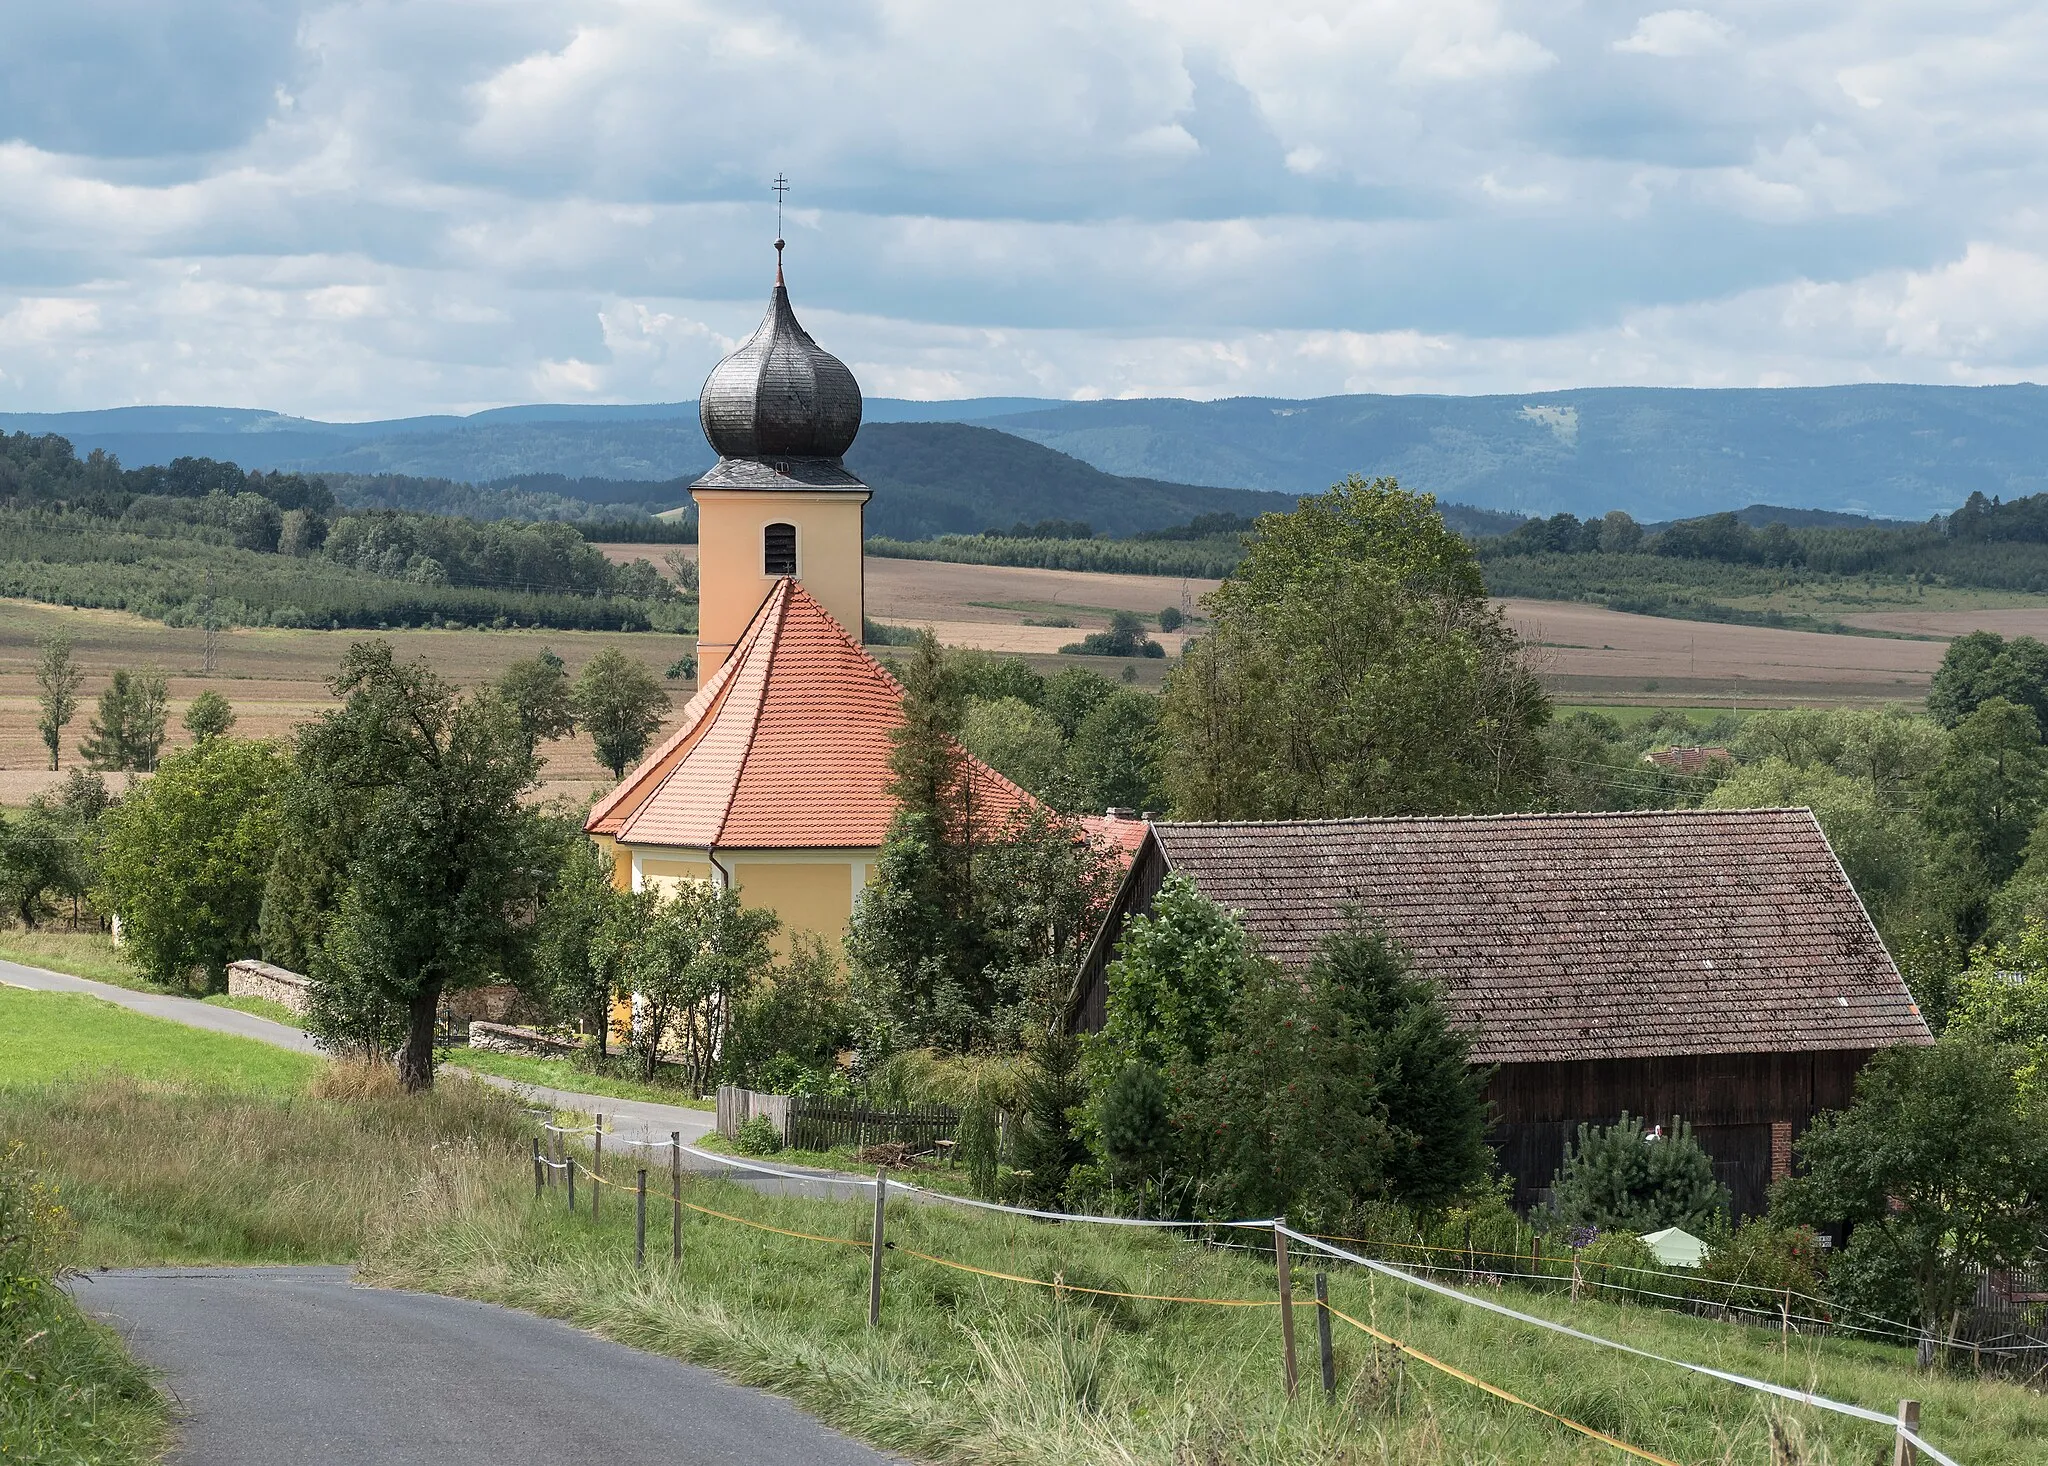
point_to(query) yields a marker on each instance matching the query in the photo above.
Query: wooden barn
(1710, 964)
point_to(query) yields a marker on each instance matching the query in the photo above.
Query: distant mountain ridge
(1660, 453)
(1905, 452)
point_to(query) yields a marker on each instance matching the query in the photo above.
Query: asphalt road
(188, 1011)
(298, 1367)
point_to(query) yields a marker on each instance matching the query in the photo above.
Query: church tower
(781, 411)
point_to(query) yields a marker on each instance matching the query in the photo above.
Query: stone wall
(253, 979)
(503, 1038)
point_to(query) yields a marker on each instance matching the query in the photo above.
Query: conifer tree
(1621, 1177)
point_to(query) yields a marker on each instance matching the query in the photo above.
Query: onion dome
(781, 395)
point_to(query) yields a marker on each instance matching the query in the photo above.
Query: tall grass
(436, 1193)
(169, 1172)
(68, 1392)
(975, 1369)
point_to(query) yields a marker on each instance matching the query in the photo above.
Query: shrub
(757, 1136)
(1619, 1178)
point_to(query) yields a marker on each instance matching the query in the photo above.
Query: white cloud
(367, 209)
(1674, 33)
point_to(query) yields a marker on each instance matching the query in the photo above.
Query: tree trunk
(416, 1056)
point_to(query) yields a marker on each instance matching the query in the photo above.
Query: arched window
(778, 550)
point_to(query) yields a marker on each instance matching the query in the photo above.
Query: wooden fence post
(1323, 1344)
(537, 1170)
(675, 1196)
(875, 1250)
(1903, 1451)
(1285, 1273)
(596, 1166)
(640, 1221)
(571, 1174)
(1575, 1275)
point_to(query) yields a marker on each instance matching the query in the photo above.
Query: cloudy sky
(369, 209)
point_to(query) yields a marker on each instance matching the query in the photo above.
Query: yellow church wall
(810, 895)
(810, 890)
(732, 579)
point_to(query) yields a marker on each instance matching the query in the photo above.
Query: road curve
(297, 1366)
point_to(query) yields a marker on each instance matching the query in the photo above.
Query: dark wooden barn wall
(1141, 883)
(1731, 1100)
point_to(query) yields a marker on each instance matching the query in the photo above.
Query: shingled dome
(781, 395)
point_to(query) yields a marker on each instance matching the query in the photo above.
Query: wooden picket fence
(820, 1124)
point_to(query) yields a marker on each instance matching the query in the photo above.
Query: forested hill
(1904, 452)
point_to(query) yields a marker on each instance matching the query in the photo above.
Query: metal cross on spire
(781, 187)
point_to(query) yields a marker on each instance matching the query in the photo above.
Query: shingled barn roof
(1576, 936)
(786, 747)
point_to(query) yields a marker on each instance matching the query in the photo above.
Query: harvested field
(2006, 621)
(274, 678)
(1584, 650)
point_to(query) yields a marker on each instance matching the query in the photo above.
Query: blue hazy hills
(1891, 451)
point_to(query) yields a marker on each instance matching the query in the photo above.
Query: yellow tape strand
(1065, 1287)
(1495, 1390)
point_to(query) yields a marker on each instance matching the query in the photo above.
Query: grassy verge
(436, 1192)
(82, 954)
(567, 1075)
(46, 1036)
(922, 1171)
(69, 1393)
(261, 1007)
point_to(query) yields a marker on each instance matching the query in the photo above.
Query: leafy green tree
(128, 730)
(1619, 533)
(1018, 741)
(586, 929)
(1991, 786)
(210, 716)
(57, 680)
(1881, 848)
(185, 856)
(1170, 618)
(788, 1033)
(1940, 1168)
(1124, 637)
(985, 678)
(1982, 666)
(1072, 694)
(1175, 976)
(416, 864)
(698, 957)
(541, 697)
(1114, 758)
(621, 705)
(2002, 998)
(1356, 666)
(1617, 1177)
(37, 856)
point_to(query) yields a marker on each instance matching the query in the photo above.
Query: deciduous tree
(621, 705)
(57, 679)
(185, 856)
(412, 799)
(541, 697)
(210, 716)
(1356, 667)
(1939, 1166)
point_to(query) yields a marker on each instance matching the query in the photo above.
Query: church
(776, 781)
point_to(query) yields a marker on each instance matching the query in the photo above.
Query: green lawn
(563, 1074)
(46, 1036)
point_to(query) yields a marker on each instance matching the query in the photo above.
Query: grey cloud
(139, 78)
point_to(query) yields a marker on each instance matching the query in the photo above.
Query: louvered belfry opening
(778, 550)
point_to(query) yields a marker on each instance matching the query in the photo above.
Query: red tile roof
(786, 747)
(1118, 835)
(1584, 936)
